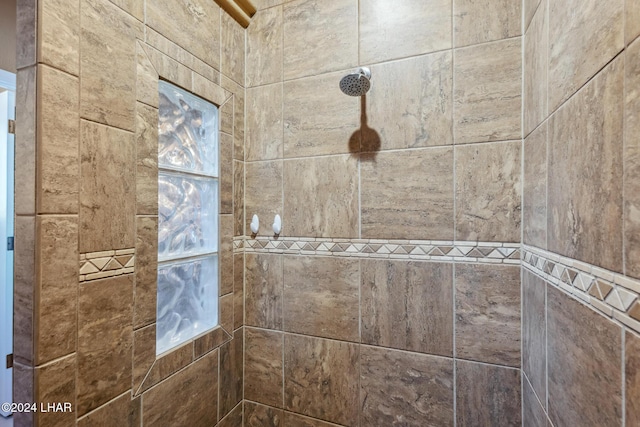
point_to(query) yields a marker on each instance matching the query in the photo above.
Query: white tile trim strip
(435, 250)
(100, 265)
(610, 293)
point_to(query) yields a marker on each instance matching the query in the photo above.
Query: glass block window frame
(188, 231)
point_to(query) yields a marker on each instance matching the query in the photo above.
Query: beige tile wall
(87, 183)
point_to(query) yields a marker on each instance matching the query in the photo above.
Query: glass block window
(187, 217)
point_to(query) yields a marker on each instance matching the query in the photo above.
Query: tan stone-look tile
(321, 297)
(226, 173)
(107, 188)
(403, 28)
(23, 391)
(632, 20)
(57, 133)
(170, 69)
(534, 188)
(632, 378)
(263, 193)
(108, 37)
(265, 4)
(407, 305)
(144, 355)
(321, 378)
(24, 283)
(238, 290)
(167, 365)
(487, 395)
(25, 151)
(233, 48)
(231, 374)
(225, 313)
(631, 158)
(414, 388)
(57, 291)
(238, 198)
(328, 28)
(256, 415)
(584, 208)
(189, 25)
(172, 402)
(322, 197)
(226, 117)
(105, 340)
(264, 123)
(487, 95)
(265, 48)
(530, 7)
(489, 192)
(210, 341)
(121, 412)
(146, 159)
(133, 7)
(488, 313)
(26, 34)
(56, 383)
(146, 78)
(263, 366)
(534, 336)
(296, 420)
(410, 103)
(536, 45)
(318, 118)
(584, 35)
(264, 290)
(408, 195)
(209, 90)
(238, 115)
(483, 21)
(533, 413)
(146, 271)
(225, 255)
(234, 418)
(58, 35)
(584, 377)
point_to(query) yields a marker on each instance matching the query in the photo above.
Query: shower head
(356, 84)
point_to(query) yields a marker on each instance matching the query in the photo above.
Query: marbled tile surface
(584, 35)
(173, 401)
(321, 297)
(585, 202)
(534, 188)
(263, 366)
(233, 419)
(26, 23)
(146, 78)
(146, 159)
(56, 382)
(226, 173)
(188, 26)
(107, 37)
(487, 96)
(264, 132)
(487, 395)
(57, 288)
(394, 385)
(146, 271)
(483, 21)
(225, 255)
(58, 170)
(533, 414)
(263, 290)
(319, 36)
(105, 339)
(256, 415)
(25, 152)
(144, 355)
(632, 20)
(264, 48)
(318, 118)
(59, 35)
(631, 158)
(24, 283)
(403, 28)
(291, 419)
(408, 305)
(232, 57)
(488, 313)
(238, 290)
(231, 373)
(238, 198)
(321, 378)
(122, 412)
(408, 195)
(584, 377)
(263, 193)
(322, 197)
(534, 337)
(632, 379)
(536, 44)
(410, 103)
(489, 192)
(529, 6)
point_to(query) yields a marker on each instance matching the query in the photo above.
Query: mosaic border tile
(100, 265)
(612, 294)
(436, 250)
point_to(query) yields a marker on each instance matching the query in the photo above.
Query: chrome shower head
(356, 84)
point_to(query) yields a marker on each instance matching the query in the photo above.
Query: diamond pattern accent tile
(103, 264)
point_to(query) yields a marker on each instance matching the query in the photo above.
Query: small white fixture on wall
(277, 225)
(255, 224)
